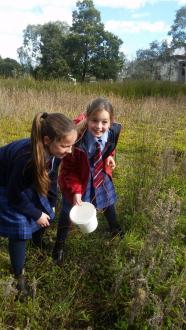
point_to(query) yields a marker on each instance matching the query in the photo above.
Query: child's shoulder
(116, 127)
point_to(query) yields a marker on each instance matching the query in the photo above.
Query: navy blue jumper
(20, 204)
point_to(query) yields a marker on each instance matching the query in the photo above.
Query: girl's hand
(43, 221)
(77, 199)
(111, 162)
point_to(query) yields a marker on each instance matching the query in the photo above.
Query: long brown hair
(56, 126)
(96, 105)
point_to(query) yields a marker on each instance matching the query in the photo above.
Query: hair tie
(44, 115)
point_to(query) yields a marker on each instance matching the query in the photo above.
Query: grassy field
(138, 282)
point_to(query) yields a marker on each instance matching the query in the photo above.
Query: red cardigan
(74, 173)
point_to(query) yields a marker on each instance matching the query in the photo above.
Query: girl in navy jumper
(28, 184)
(77, 175)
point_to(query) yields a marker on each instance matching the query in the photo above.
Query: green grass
(106, 284)
(132, 89)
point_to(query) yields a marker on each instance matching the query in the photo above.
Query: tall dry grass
(23, 104)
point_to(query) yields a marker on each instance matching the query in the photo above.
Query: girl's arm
(69, 179)
(25, 205)
(53, 191)
(77, 199)
(20, 192)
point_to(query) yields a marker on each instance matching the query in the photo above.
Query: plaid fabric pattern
(103, 196)
(14, 224)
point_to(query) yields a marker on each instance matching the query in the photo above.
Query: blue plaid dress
(104, 195)
(16, 225)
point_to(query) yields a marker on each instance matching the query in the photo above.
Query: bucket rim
(85, 221)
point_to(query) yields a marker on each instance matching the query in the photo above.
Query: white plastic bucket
(84, 216)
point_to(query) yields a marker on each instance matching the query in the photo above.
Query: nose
(99, 124)
(69, 150)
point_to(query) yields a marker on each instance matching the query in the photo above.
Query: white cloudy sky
(136, 22)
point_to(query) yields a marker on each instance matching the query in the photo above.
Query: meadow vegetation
(138, 282)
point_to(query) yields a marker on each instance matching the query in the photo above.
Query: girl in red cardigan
(79, 179)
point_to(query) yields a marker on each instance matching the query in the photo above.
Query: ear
(46, 140)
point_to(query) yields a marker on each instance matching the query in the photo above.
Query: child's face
(98, 123)
(61, 148)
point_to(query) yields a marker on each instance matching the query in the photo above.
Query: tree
(108, 61)
(145, 61)
(55, 50)
(148, 61)
(90, 49)
(178, 29)
(10, 68)
(29, 54)
(43, 50)
(52, 48)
